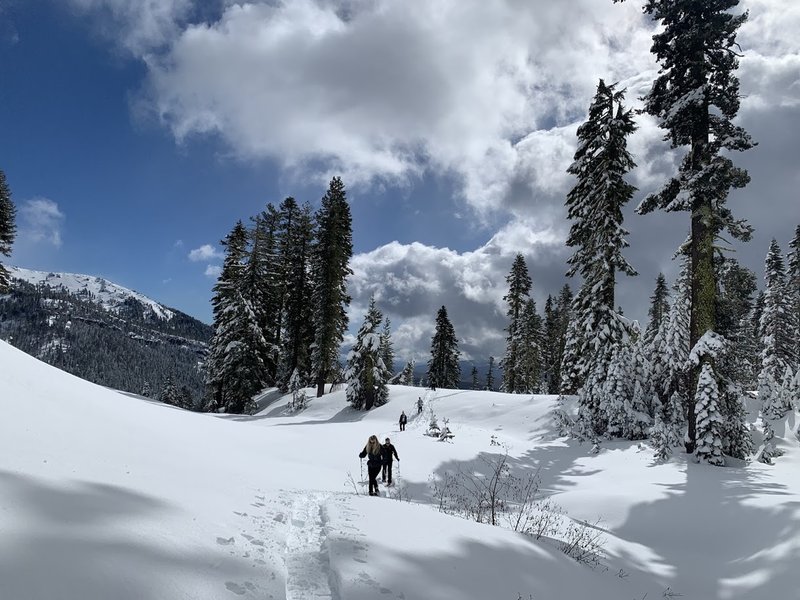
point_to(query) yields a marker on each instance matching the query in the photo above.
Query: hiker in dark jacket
(387, 451)
(373, 451)
(403, 421)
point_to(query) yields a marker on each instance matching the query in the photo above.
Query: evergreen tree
(296, 231)
(185, 399)
(365, 373)
(330, 260)
(443, 368)
(7, 230)
(474, 377)
(709, 421)
(737, 285)
(529, 353)
(407, 376)
(776, 342)
(695, 99)
(793, 289)
(387, 351)
(169, 393)
(594, 206)
(235, 369)
(659, 308)
(519, 287)
(490, 375)
(147, 391)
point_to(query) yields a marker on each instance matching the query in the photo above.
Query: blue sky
(137, 133)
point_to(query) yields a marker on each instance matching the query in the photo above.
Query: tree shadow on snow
(716, 541)
(68, 545)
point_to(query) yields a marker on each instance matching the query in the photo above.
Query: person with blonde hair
(372, 451)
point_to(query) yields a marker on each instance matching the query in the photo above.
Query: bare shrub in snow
(584, 542)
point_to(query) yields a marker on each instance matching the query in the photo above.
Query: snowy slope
(107, 496)
(107, 294)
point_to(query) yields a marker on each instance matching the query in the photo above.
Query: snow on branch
(711, 344)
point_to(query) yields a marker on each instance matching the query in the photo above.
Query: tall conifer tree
(659, 308)
(519, 287)
(695, 99)
(594, 206)
(7, 230)
(365, 373)
(443, 368)
(330, 266)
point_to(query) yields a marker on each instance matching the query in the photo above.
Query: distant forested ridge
(103, 333)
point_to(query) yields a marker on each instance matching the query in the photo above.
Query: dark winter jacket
(372, 459)
(387, 450)
(403, 419)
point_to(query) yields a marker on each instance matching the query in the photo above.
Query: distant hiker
(419, 405)
(387, 450)
(372, 451)
(403, 421)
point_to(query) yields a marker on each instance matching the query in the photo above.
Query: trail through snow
(308, 566)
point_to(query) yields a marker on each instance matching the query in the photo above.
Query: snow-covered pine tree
(330, 267)
(695, 99)
(407, 376)
(7, 230)
(257, 289)
(644, 404)
(185, 399)
(147, 391)
(443, 368)
(793, 289)
(670, 353)
(659, 309)
(387, 349)
(365, 373)
(234, 368)
(776, 341)
(490, 375)
(296, 334)
(616, 392)
(737, 285)
(169, 393)
(519, 287)
(550, 338)
(529, 350)
(298, 390)
(594, 206)
(709, 426)
(474, 378)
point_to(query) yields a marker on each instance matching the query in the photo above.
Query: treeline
(280, 301)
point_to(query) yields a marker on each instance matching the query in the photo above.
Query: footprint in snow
(225, 541)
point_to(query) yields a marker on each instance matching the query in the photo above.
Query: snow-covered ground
(105, 496)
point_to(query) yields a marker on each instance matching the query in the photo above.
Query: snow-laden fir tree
(443, 367)
(330, 267)
(659, 309)
(709, 425)
(365, 373)
(387, 348)
(7, 230)
(669, 354)
(257, 285)
(234, 367)
(644, 403)
(617, 390)
(298, 391)
(147, 391)
(776, 342)
(529, 351)
(474, 378)
(169, 393)
(793, 292)
(407, 376)
(734, 307)
(594, 206)
(295, 330)
(185, 399)
(695, 99)
(519, 287)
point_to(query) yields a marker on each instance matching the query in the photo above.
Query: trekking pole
(362, 468)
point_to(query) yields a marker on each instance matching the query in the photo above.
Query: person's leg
(383, 473)
(373, 479)
(389, 474)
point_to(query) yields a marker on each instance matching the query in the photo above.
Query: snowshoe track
(308, 567)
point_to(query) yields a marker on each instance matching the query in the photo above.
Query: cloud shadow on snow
(69, 547)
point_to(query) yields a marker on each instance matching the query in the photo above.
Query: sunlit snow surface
(106, 496)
